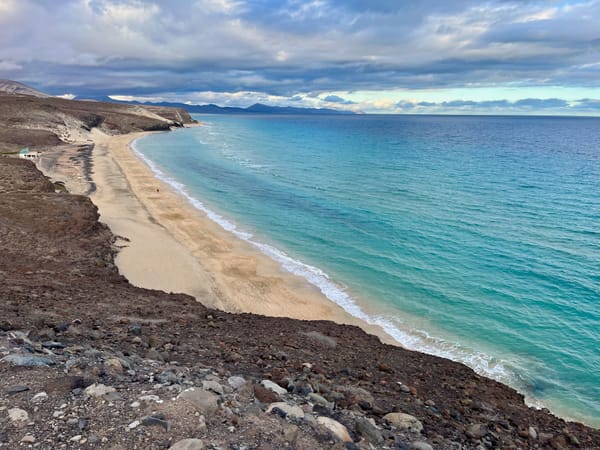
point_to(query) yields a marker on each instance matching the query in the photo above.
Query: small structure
(25, 153)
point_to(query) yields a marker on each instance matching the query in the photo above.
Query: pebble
(113, 366)
(205, 402)
(53, 345)
(28, 361)
(236, 382)
(365, 428)
(319, 400)
(265, 395)
(39, 397)
(133, 424)
(291, 411)
(18, 415)
(150, 398)
(28, 439)
(213, 386)
(404, 422)
(157, 420)
(477, 430)
(135, 405)
(268, 384)
(167, 377)
(336, 428)
(188, 444)
(98, 390)
(420, 445)
(17, 389)
(76, 438)
(533, 433)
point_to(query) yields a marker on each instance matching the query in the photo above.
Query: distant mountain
(257, 108)
(16, 88)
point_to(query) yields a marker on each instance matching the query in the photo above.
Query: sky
(375, 56)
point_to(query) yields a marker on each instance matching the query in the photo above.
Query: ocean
(474, 238)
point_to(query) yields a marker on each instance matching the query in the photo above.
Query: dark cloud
(285, 48)
(338, 99)
(538, 103)
(502, 106)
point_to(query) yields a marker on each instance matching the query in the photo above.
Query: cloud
(501, 106)
(538, 103)
(337, 99)
(293, 47)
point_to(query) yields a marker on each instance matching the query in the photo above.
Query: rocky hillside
(14, 87)
(27, 120)
(89, 361)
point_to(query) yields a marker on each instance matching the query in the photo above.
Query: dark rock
(369, 431)
(167, 377)
(156, 421)
(3, 437)
(477, 430)
(17, 389)
(265, 395)
(135, 329)
(53, 345)
(83, 423)
(28, 360)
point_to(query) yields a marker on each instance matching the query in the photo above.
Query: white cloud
(9, 66)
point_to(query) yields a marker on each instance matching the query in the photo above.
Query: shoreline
(190, 253)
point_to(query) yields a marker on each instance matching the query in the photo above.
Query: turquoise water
(473, 238)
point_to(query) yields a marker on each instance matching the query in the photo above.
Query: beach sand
(171, 246)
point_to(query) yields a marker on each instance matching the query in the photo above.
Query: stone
(28, 439)
(28, 360)
(209, 385)
(113, 366)
(318, 400)
(533, 433)
(420, 445)
(236, 382)
(156, 421)
(205, 402)
(325, 341)
(265, 395)
(76, 438)
(16, 389)
(404, 422)
(133, 425)
(135, 329)
(98, 390)
(188, 444)
(18, 415)
(477, 430)
(150, 398)
(336, 428)
(404, 388)
(167, 377)
(53, 345)
(39, 397)
(366, 429)
(290, 411)
(268, 384)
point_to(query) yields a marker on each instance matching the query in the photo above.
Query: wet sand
(171, 246)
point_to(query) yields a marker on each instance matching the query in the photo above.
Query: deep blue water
(474, 238)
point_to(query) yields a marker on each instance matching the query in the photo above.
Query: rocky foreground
(89, 361)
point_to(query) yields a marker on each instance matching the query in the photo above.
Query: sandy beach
(169, 245)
